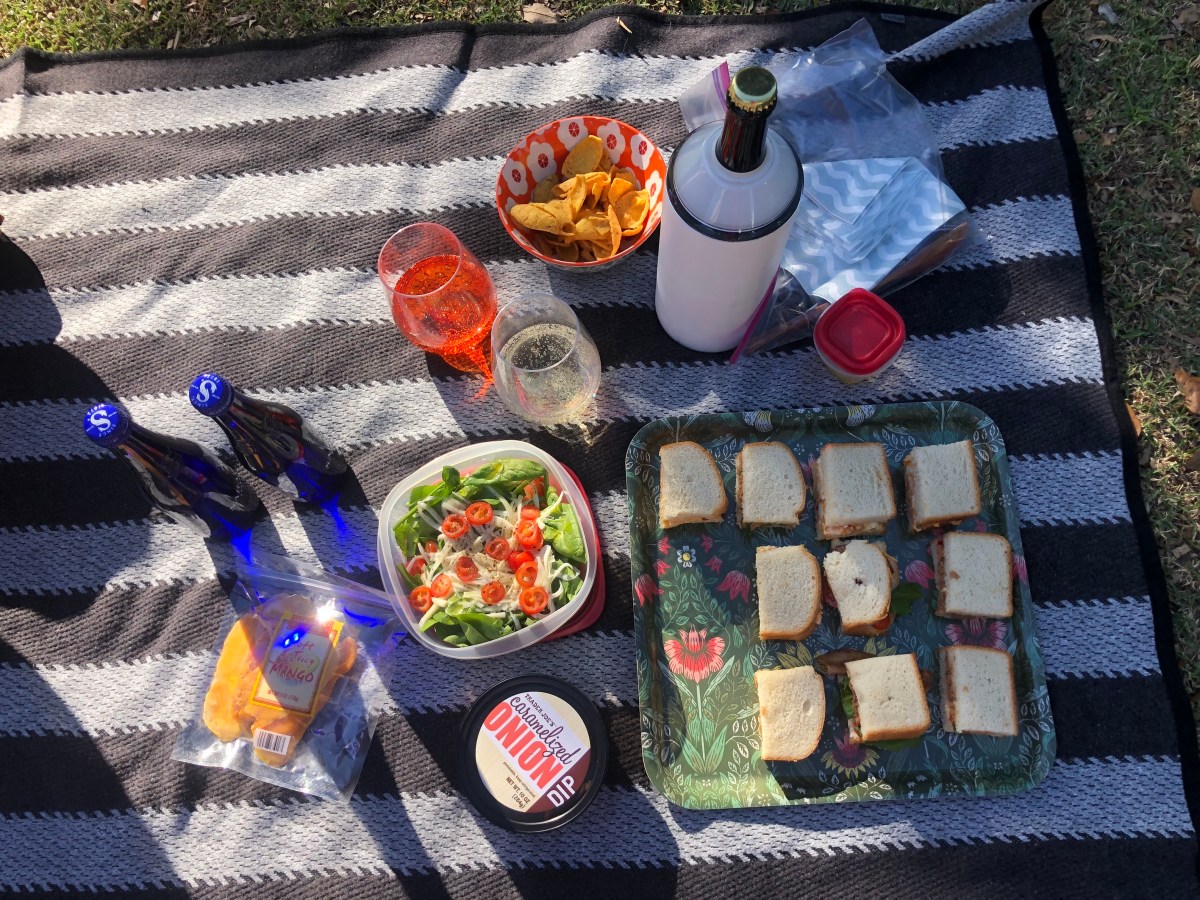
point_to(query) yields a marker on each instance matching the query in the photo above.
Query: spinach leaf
(506, 476)
(561, 529)
(847, 697)
(903, 598)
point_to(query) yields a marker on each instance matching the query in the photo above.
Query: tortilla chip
(626, 175)
(632, 208)
(593, 228)
(544, 191)
(568, 251)
(575, 192)
(614, 230)
(601, 249)
(535, 217)
(584, 158)
(616, 189)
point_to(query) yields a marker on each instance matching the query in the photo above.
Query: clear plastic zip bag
(876, 211)
(298, 680)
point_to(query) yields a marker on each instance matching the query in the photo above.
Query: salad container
(467, 460)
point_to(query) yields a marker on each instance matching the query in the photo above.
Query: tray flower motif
(696, 626)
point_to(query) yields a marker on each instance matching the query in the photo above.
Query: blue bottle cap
(210, 393)
(106, 424)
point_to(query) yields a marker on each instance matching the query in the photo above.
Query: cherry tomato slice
(533, 600)
(441, 586)
(529, 512)
(527, 574)
(518, 559)
(529, 535)
(465, 569)
(416, 565)
(421, 599)
(493, 593)
(454, 526)
(498, 549)
(480, 513)
(431, 547)
(535, 490)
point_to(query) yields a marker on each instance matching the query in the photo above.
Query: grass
(1132, 92)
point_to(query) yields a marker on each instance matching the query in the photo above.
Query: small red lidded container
(859, 336)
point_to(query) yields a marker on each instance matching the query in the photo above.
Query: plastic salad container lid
(466, 460)
(532, 753)
(859, 336)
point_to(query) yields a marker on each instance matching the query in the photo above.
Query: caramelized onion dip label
(291, 673)
(533, 752)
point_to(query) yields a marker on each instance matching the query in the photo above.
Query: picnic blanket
(222, 209)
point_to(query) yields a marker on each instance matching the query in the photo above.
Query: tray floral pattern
(696, 626)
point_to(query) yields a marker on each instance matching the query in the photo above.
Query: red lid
(860, 333)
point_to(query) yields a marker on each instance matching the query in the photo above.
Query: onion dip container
(532, 753)
(467, 460)
(859, 336)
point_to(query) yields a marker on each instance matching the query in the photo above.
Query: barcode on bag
(272, 742)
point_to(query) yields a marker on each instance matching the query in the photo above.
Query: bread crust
(814, 616)
(939, 576)
(917, 524)
(945, 655)
(810, 748)
(893, 734)
(739, 481)
(688, 519)
(827, 532)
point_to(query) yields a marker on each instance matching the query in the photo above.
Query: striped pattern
(223, 210)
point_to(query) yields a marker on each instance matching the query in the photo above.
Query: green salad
(489, 553)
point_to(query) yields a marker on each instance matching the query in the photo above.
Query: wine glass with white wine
(545, 364)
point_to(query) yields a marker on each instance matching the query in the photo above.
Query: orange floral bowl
(542, 153)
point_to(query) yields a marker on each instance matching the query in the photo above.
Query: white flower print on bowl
(640, 149)
(516, 176)
(614, 141)
(541, 161)
(571, 132)
(654, 186)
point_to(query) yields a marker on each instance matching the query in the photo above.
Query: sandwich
(853, 489)
(789, 592)
(770, 486)
(690, 486)
(974, 575)
(978, 692)
(861, 576)
(791, 712)
(942, 485)
(887, 696)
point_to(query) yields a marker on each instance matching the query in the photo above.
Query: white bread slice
(853, 489)
(979, 695)
(942, 485)
(974, 576)
(690, 486)
(889, 698)
(791, 712)
(770, 486)
(789, 592)
(862, 576)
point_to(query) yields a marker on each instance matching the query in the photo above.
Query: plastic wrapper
(876, 211)
(298, 679)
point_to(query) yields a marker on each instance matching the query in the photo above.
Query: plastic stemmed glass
(441, 295)
(545, 364)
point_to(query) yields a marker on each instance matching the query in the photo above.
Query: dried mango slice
(585, 157)
(293, 725)
(233, 679)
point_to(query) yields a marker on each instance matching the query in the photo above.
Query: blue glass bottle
(271, 440)
(180, 477)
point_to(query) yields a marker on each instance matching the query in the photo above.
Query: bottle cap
(859, 336)
(106, 424)
(210, 393)
(753, 89)
(532, 753)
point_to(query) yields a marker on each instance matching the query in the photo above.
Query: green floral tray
(696, 627)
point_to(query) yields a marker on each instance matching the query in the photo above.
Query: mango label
(291, 674)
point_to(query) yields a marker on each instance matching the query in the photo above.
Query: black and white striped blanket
(222, 209)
